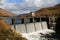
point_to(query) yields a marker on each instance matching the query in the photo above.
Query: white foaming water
(36, 35)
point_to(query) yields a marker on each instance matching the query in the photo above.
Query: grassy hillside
(6, 13)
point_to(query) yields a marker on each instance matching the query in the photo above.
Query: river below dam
(46, 34)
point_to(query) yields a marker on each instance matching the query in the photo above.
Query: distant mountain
(6, 13)
(50, 11)
(24, 15)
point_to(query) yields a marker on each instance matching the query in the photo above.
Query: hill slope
(50, 11)
(6, 13)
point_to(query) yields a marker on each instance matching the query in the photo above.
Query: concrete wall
(30, 27)
(38, 26)
(21, 28)
(44, 25)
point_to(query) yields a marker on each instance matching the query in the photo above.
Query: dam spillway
(30, 27)
(36, 23)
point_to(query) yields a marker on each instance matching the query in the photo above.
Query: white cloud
(41, 3)
(6, 5)
(3, 1)
(45, 3)
(28, 5)
(10, 5)
(1, 7)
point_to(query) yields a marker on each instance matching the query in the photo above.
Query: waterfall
(32, 34)
(30, 27)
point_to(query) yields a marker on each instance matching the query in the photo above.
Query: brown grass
(6, 13)
(7, 33)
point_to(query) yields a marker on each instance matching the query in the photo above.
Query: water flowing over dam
(30, 27)
(27, 25)
(33, 28)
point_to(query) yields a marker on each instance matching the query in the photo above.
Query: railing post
(49, 22)
(34, 23)
(41, 23)
(13, 22)
(40, 19)
(25, 25)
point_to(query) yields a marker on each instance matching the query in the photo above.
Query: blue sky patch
(15, 1)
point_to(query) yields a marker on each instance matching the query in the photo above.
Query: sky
(26, 6)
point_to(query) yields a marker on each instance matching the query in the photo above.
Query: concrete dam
(31, 27)
(26, 25)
